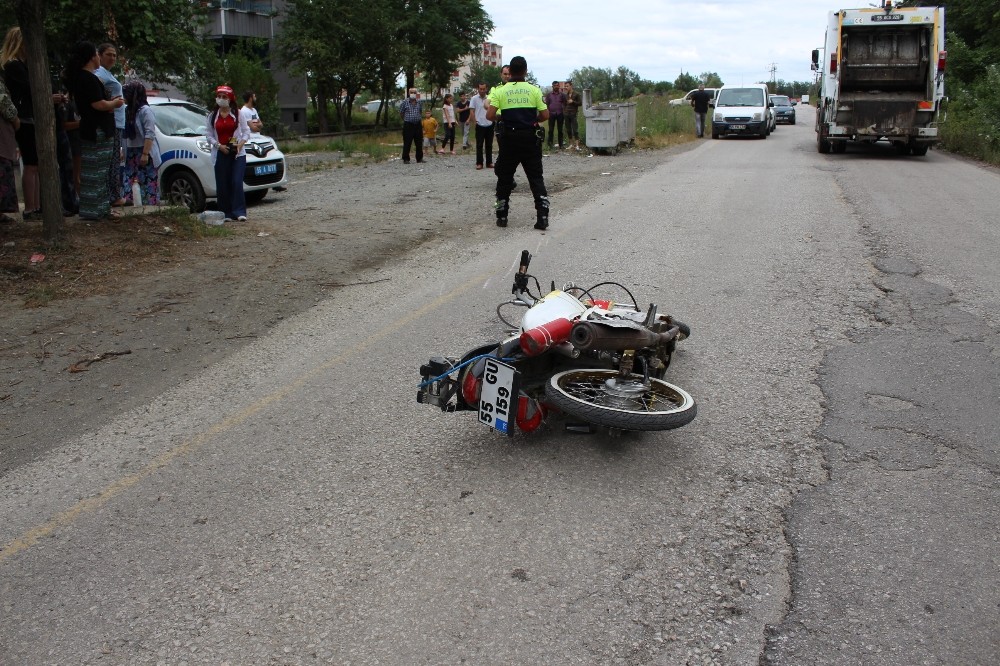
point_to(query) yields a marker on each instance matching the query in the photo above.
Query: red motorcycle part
(472, 387)
(529, 414)
(540, 338)
(601, 303)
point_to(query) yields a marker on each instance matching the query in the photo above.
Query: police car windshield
(182, 119)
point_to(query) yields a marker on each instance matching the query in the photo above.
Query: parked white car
(686, 100)
(187, 176)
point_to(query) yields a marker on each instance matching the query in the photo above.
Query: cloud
(659, 39)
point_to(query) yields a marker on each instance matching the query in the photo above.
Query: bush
(972, 124)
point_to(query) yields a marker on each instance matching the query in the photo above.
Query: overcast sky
(658, 39)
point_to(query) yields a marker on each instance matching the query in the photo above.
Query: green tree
(440, 33)
(710, 79)
(242, 68)
(596, 79)
(158, 39)
(624, 83)
(479, 72)
(685, 82)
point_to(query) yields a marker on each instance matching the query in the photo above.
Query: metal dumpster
(609, 124)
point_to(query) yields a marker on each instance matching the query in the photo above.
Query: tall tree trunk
(31, 18)
(321, 103)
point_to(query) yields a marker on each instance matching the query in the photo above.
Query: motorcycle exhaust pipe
(588, 335)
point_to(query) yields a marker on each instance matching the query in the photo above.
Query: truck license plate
(498, 397)
(265, 169)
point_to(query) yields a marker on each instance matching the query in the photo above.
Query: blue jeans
(229, 185)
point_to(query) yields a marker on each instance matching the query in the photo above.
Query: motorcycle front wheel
(603, 398)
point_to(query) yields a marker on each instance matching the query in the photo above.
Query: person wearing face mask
(227, 132)
(412, 111)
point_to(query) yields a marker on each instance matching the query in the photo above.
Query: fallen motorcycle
(596, 362)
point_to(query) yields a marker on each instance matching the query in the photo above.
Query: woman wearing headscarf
(142, 155)
(227, 133)
(9, 123)
(97, 129)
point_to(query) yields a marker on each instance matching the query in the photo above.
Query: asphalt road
(835, 501)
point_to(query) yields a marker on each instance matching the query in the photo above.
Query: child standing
(448, 116)
(430, 124)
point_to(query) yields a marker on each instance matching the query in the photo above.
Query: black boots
(542, 213)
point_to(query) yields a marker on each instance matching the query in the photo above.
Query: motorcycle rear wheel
(602, 398)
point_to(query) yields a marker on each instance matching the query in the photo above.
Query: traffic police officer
(519, 107)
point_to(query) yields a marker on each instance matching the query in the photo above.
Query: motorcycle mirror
(525, 260)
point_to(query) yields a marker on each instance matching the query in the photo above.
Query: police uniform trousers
(521, 146)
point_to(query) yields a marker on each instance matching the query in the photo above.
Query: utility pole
(774, 82)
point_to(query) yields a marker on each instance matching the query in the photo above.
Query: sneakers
(241, 218)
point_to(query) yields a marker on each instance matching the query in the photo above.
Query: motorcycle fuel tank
(556, 304)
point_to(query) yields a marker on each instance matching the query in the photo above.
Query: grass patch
(96, 257)
(353, 148)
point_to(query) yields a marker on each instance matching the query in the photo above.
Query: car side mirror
(770, 104)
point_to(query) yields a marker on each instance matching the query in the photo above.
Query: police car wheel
(183, 189)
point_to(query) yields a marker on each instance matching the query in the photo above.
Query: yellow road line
(63, 518)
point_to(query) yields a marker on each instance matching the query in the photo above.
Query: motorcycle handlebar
(525, 260)
(521, 277)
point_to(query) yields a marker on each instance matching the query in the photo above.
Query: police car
(187, 176)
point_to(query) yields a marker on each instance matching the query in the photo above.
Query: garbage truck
(881, 78)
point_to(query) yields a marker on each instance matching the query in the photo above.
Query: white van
(742, 110)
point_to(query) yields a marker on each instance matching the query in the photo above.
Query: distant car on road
(784, 109)
(187, 176)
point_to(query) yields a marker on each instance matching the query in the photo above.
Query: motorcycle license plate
(265, 169)
(737, 127)
(498, 398)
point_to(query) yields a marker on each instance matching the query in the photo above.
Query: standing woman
(227, 133)
(8, 155)
(142, 155)
(97, 129)
(15, 74)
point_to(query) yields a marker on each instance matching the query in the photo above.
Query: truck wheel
(822, 145)
(838, 147)
(920, 150)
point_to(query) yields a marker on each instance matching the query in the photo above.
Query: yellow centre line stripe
(63, 518)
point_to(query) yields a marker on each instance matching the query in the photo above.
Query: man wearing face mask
(412, 111)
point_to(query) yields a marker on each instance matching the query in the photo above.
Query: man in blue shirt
(412, 111)
(113, 89)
